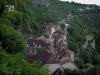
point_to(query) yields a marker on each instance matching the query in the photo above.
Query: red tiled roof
(43, 56)
(38, 42)
(52, 61)
(59, 32)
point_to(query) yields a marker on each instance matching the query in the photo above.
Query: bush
(89, 66)
(73, 46)
(79, 63)
(16, 65)
(38, 50)
(15, 18)
(96, 59)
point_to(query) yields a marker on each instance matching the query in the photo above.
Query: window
(39, 46)
(35, 46)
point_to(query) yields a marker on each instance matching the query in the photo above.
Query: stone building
(10, 7)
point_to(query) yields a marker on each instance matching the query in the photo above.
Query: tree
(39, 50)
(73, 46)
(79, 63)
(12, 42)
(16, 65)
(62, 26)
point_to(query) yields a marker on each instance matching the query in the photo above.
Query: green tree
(12, 42)
(14, 64)
(38, 50)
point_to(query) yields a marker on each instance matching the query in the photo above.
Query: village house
(54, 47)
(36, 43)
(10, 7)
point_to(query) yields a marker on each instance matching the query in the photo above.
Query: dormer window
(62, 46)
(35, 46)
(39, 45)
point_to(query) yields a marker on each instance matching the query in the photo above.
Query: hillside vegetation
(83, 31)
(24, 19)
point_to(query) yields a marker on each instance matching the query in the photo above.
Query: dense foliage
(20, 18)
(15, 65)
(12, 42)
(26, 17)
(63, 9)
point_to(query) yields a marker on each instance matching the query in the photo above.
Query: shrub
(79, 63)
(89, 66)
(16, 65)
